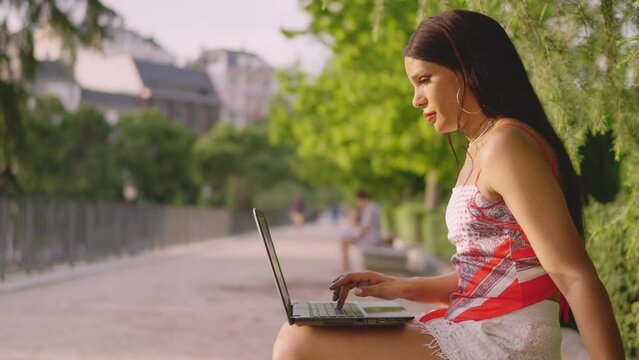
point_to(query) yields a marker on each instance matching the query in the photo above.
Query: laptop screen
(262, 227)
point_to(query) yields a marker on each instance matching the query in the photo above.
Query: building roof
(233, 55)
(127, 41)
(101, 99)
(231, 58)
(122, 31)
(54, 70)
(165, 79)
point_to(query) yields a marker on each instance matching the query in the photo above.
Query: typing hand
(368, 283)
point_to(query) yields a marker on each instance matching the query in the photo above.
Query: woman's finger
(337, 291)
(337, 284)
(345, 282)
(343, 294)
(353, 278)
(336, 294)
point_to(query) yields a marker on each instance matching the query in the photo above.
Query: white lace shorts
(529, 333)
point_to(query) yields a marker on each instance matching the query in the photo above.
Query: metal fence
(38, 233)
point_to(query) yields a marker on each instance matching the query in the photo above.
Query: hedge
(417, 226)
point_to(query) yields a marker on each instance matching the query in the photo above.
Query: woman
(515, 217)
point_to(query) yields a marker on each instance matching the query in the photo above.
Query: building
(119, 83)
(244, 81)
(126, 41)
(130, 72)
(121, 41)
(184, 94)
(59, 82)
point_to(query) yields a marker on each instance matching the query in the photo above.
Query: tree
(41, 167)
(89, 155)
(239, 163)
(356, 118)
(69, 154)
(17, 61)
(155, 153)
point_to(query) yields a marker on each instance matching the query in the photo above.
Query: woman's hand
(368, 283)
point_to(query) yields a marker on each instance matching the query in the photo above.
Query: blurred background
(127, 127)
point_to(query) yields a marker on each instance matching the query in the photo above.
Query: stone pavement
(211, 300)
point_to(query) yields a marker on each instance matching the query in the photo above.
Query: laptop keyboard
(328, 310)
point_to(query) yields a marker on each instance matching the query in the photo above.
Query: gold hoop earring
(464, 110)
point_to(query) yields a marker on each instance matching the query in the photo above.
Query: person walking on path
(515, 217)
(296, 211)
(368, 232)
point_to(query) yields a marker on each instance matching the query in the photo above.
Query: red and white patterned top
(497, 268)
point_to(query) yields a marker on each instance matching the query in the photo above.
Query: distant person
(296, 211)
(369, 230)
(335, 213)
(348, 231)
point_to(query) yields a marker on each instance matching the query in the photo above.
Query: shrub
(408, 218)
(435, 234)
(616, 256)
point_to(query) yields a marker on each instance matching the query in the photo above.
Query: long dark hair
(478, 48)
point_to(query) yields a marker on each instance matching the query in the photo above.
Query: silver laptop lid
(262, 227)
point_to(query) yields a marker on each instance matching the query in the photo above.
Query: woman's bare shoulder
(511, 153)
(510, 142)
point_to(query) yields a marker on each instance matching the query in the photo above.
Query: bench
(401, 261)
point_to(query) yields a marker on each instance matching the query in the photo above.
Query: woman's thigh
(309, 343)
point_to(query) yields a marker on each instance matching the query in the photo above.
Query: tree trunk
(432, 193)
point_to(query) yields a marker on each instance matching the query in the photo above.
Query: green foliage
(324, 197)
(278, 197)
(354, 125)
(70, 154)
(93, 173)
(155, 152)
(408, 223)
(238, 163)
(12, 138)
(18, 69)
(600, 171)
(435, 234)
(612, 246)
(417, 226)
(41, 168)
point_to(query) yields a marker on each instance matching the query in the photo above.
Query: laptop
(354, 313)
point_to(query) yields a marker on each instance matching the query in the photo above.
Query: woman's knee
(292, 342)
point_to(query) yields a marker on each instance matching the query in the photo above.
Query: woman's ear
(461, 85)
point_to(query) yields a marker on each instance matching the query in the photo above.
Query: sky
(187, 26)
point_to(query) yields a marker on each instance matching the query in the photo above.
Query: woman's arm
(436, 289)
(515, 168)
(432, 290)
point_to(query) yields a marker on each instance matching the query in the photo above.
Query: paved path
(212, 300)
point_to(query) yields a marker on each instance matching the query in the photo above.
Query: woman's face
(436, 89)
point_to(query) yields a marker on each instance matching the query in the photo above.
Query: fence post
(27, 244)
(3, 238)
(89, 225)
(71, 238)
(115, 217)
